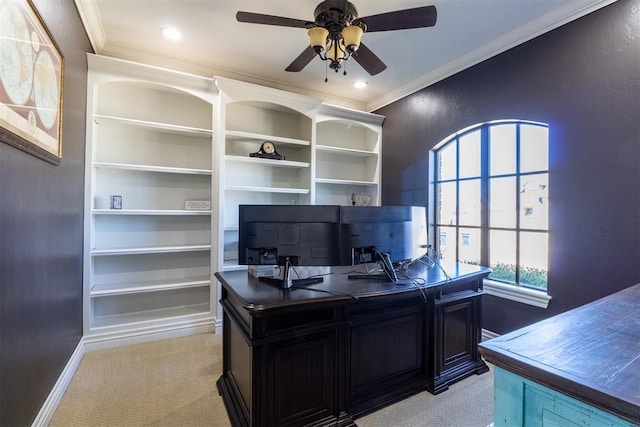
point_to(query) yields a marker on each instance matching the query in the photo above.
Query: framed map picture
(31, 75)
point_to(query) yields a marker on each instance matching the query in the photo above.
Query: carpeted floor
(172, 383)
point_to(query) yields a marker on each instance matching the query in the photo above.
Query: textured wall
(583, 79)
(41, 214)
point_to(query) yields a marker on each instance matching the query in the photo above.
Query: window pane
(502, 202)
(502, 255)
(446, 161)
(470, 202)
(470, 155)
(534, 259)
(469, 243)
(502, 145)
(446, 202)
(534, 201)
(447, 243)
(534, 148)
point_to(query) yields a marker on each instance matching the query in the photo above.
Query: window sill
(516, 293)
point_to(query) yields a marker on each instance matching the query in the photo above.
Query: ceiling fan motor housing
(334, 15)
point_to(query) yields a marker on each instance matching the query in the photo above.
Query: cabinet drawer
(294, 323)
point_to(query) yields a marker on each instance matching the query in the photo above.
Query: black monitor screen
(307, 235)
(399, 231)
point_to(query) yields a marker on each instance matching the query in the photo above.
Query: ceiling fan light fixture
(351, 36)
(318, 37)
(336, 31)
(336, 53)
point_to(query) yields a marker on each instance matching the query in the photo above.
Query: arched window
(491, 200)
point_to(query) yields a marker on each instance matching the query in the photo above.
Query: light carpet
(172, 383)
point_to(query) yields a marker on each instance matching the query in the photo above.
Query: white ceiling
(214, 43)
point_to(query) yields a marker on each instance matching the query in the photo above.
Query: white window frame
(513, 292)
(517, 293)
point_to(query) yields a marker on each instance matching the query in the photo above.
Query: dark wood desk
(582, 366)
(326, 356)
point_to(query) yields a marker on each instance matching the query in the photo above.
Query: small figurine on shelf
(362, 200)
(267, 151)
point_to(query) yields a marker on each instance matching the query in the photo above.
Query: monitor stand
(285, 281)
(389, 274)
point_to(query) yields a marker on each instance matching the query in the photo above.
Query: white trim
(103, 341)
(218, 326)
(488, 335)
(517, 293)
(557, 18)
(90, 17)
(51, 402)
(106, 341)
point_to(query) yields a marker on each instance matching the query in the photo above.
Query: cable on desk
(306, 288)
(417, 282)
(430, 262)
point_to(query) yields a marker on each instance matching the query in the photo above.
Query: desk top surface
(336, 287)
(591, 353)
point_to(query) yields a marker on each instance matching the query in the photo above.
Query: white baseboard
(105, 341)
(51, 402)
(112, 340)
(487, 335)
(101, 342)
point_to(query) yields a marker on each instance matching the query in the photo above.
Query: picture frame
(31, 82)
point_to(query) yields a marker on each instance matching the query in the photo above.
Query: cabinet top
(258, 297)
(591, 353)
(116, 68)
(240, 91)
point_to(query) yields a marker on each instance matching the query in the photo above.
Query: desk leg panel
(236, 385)
(456, 329)
(300, 377)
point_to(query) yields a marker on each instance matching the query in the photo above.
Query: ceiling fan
(336, 31)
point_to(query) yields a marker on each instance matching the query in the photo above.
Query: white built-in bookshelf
(158, 138)
(149, 141)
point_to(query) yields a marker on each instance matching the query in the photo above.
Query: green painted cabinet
(579, 368)
(521, 402)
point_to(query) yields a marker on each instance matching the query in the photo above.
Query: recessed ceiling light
(171, 33)
(360, 84)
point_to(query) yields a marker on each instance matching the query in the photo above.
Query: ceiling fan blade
(418, 17)
(302, 60)
(368, 60)
(259, 18)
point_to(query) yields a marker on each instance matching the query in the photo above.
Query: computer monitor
(390, 235)
(289, 235)
(326, 235)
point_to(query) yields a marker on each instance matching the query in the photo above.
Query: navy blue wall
(41, 214)
(583, 79)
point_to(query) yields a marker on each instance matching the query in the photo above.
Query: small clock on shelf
(267, 151)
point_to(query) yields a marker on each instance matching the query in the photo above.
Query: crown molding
(90, 17)
(570, 11)
(142, 57)
(559, 17)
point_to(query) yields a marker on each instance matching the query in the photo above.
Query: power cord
(436, 261)
(307, 288)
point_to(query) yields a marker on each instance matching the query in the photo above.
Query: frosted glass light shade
(318, 37)
(332, 54)
(351, 36)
